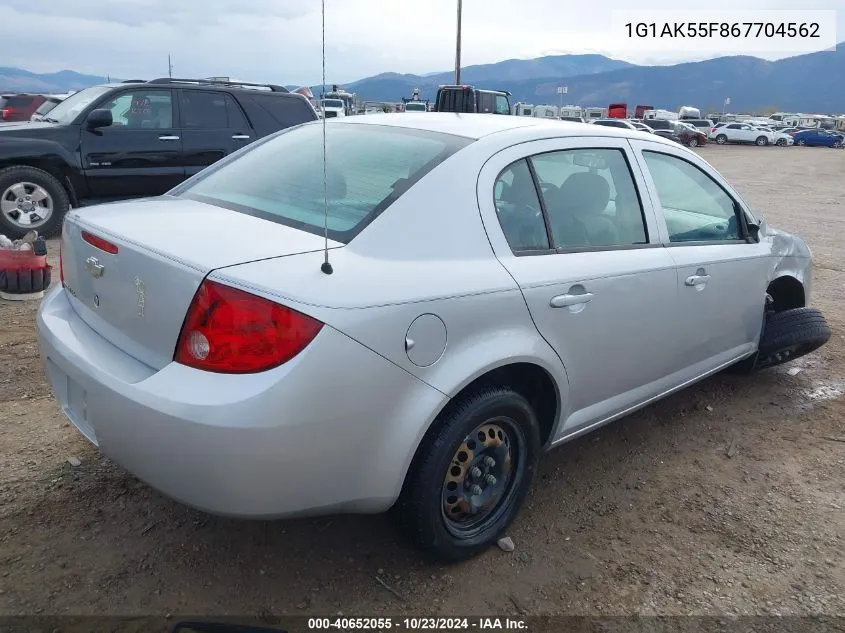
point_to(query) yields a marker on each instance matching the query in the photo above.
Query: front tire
(790, 334)
(837, 144)
(781, 142)
(762, 141)
(31, 198)
(470, 474)
(802, 142)
(693, 142)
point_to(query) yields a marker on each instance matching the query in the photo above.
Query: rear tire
(721, 139)
(432, 509)
(31, 178)
(791, 334)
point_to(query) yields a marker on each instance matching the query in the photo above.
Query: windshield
(368, 168)
(69, 109)
(332, 103)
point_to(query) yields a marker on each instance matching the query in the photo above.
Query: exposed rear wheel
(721, 139)
(471, 474)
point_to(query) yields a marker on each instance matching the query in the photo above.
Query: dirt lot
(727, 498)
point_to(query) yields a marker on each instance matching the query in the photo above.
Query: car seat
(575, 212)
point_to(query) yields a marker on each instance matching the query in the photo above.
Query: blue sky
(279, 40)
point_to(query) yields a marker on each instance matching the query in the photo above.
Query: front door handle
(563, 301)
(240, 137)
(694, 280)
(168, 138)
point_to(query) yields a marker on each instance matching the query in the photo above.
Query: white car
(741, 133)
(781, 139)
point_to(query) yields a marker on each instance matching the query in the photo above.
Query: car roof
(476, 126)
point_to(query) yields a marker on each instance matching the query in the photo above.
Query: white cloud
(279, 40)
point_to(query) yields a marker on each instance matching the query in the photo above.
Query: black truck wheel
(31, 198)
(790, 334)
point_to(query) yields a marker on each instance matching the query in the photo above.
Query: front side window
(142, 109)
(281, 180)
(518, 209)
(695, 207)
(590, 198)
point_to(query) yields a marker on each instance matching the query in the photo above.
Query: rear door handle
(694, 280)
(240, 136)
(563, 301)
(168, 138)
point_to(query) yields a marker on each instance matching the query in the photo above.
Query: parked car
(689, 135)
(19, 107)
(573, 119)
(50, 102)
(129, 140)
(642, 127)
(819, 138)
(703, 125)
(741, 133)
(195, 337)
(619, 123)
(781, 139)
(469, 99)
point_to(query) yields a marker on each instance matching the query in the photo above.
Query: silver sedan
(411, 330)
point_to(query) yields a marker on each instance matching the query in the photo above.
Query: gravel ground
(727, 498)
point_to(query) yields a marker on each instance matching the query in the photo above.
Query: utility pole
(169, 67)
(458, 47)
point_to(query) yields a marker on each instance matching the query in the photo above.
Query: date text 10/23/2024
(400, 625)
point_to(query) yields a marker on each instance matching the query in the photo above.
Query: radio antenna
(326, 266)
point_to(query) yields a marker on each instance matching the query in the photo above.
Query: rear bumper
(318, 434)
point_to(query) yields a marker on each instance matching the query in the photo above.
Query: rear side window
(204, 110)
(518, 209)
(286, 111)
(452, 100)
(281, 180)
(590, 198)
(486, 102)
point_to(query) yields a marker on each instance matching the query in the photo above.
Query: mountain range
(814, 82)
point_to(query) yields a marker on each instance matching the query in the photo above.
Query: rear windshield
(368, 168)
(19, 101)
(48, 105)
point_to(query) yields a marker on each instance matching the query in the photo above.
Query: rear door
(213, 127)
(722, 275)
(140, 154)
(583, 246)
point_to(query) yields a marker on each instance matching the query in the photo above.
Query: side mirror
(99, 118)
(753, 232)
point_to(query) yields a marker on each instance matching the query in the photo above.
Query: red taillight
(234, 332)
(99, 242)
(5, 112)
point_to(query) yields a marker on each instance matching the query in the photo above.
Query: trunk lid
(137, 298)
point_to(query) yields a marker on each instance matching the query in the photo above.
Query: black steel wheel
(471, 474)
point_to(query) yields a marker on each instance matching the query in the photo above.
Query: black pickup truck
(130, 139)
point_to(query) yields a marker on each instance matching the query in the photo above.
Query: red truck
(617, 111)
